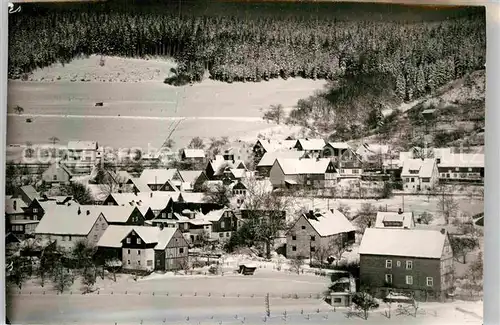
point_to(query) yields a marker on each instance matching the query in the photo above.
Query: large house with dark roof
(157, 179)
(462, 168)
(418, 262)
(265, 164)
(303, 172)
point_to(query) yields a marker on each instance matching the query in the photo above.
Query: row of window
(228, 234)
(461, 175)
(148, 262)
(17, 228)
(181, 251)
(409, 280)
(388, 264)
(412, 180)
(312, 238)
(129, 240)
(313, 249)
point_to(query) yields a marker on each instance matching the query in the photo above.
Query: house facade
(418, 262)
(224, 224)
(312, 147)
(56, 174)
(318, 230)
(419, 174)
(82, 152)
(297, 173)
(462, 168)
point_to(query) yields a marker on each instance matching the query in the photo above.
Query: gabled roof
(276, 145)
(219, 162)
(406, 218)
(194, 153)
(30, 192)
(311, 144)
(338, 145)
(414, 242)
(214, 215)
(190, 176)
(165, 236)
(157, 176)
(327, 223)
(65, 220)
(191, 197)
(157, 200)
(149, 235)
(112, 213)
(303, 166)
(113, 236)
(473, 160)
(82, 145)
(139, 184)
(270, 157)
(425, 167)
(17, 202)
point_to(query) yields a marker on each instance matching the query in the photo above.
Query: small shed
(340, 299)
(246, 269)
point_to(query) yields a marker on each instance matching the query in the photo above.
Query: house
(416, 261)
(35, 211)
(69, 224)
(26, 193)
(152, 248)
(199, 230)
(266, 162)
(17, 221)
(293, 173)
(373, 152)
(158, 201)
(397, 220)
(224, 223)
(57, 174)
(82, 152)
(120, 215)
(419, 174)
(312, 147)
(194, 180)
(194, 202)
(193, 155)
(156, 179)
(335, 150)
(137, 185)
(263, 146)
(467, 168)
(216, 167)
(314, 231)
(349, 165)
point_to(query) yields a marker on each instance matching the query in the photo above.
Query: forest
(416, 55)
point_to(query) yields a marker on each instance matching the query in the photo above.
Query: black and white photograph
(197, 162)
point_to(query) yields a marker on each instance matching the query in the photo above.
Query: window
(398, 263)
(294, 237)
(313, 238)
(95, 237)
(470, 169)
(294, 248)
(409, 265)
(388, 264)
(128, 262)
(63, 238)
(222, 224)
(412, 179)
(128, 251)
(228, 234)
(149, 262)
(128, 240)
(110, 203)
(303, 227)
(388, 278)
(313, 249)
(138, 262)
(409, 279)
(181, 250)
(430, 281)
(221, 235)
(337, 300)
(35, 210)
(138, 240)
(138, 252)
(54, 177)
(69, 238)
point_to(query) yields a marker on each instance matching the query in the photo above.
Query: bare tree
(366, 216)
(461, 246)
(89, 279)
(447, 205)
(111, 184)
(196, 143)
(339, 247)
(219, 195)
(62, 277)
(426, 218)
(275, 113)
(364, 302)
(54, 140)
(296, 264)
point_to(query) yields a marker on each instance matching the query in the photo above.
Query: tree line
(416, 56)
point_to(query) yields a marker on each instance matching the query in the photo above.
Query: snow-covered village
(304, 193)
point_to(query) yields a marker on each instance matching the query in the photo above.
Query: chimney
(79, 211)
(400, 211)
(88, 212)
(151, 194)
(443, 231)
(161, 226)
(15, 205)
(311, 213)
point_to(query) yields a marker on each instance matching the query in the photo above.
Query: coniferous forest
(239, 42)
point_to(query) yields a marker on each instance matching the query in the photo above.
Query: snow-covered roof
(299, 166)
(18, 203)
(194, 153)
(191, 197)
(270, 157)
(157, 176)
(328, 223)
(30, 192)
(214, 215)
(311, 144)
(424, 167)
(82, 145)
(149, 235)
(405, 218)
(403, 242)
(219, 162)
(199, 222)
(139, 184)
(277, 145)
(65, 220)
(164, 237)
(339, 145)
(473, 160)
(113, 236)
(155, 200)
(112, 213)
(190, 176)
(238, 173)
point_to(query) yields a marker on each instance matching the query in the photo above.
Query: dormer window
(128, 240)
(138, 240)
